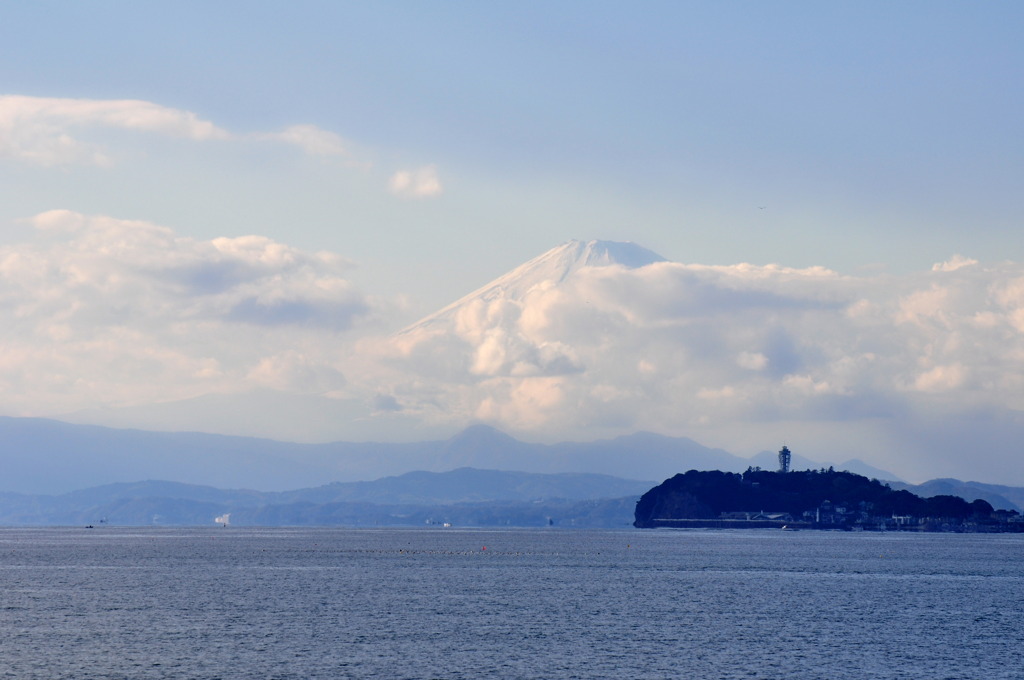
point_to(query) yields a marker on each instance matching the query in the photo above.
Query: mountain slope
(550, 268)
(470, 485)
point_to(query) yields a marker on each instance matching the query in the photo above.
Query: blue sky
(395, 156)
(872, 133)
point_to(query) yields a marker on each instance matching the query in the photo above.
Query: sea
(299, 603)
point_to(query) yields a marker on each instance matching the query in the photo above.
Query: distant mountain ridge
(47, 457)
(1000, 496)
(50, 457)
(474, 496)
(471, 485)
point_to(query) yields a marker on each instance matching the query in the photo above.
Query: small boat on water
(786, 527)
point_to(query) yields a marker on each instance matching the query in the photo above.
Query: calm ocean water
(337, 603)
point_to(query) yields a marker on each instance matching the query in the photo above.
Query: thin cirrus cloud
(45, 131)
(119, 312)
(49, 131)
(61, 132)
(311, 139)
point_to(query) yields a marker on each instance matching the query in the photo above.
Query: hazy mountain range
(55, 473)
(49, 457)
(466, 497)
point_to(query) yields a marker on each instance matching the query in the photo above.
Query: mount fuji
(548, 269)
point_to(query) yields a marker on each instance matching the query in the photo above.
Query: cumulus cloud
(755, 361)
(941, 378)
(420, 183)
(953, 263)
(692, 349)
(100, 310)
(296, 372)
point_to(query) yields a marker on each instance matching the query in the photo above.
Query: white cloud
(925, 306)
(754, 361)
(717, 350)
(49, 131)
(420, 183)
(953, 263)
(58, 221)
(941, 378)
(43, 131)
(61, 132)
(311, 139)
(296, 372)
(100, 310)
(726, 392)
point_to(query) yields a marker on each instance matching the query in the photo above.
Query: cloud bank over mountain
(738, 356)
(587, 340)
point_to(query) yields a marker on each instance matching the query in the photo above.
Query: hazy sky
(211, 201)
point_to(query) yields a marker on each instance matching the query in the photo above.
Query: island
(809, 499)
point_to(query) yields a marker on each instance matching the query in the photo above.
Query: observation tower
(784, 457)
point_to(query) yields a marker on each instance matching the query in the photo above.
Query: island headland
(809, 499)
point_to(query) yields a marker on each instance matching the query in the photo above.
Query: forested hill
(709, 494)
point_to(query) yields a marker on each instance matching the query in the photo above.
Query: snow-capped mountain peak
(554, 266)
(573, 255)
